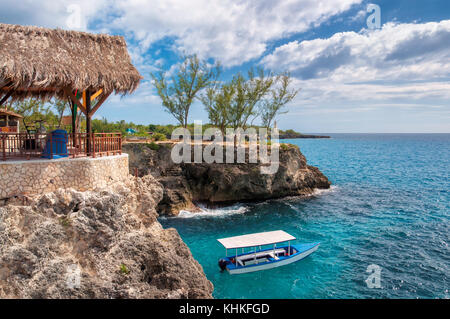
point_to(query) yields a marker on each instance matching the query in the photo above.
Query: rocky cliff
(103, 244)
(189, 183)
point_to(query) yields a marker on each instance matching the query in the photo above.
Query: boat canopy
(257, 239)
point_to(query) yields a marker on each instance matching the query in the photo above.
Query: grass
(124, 269)
(152, 146)
(65, 221)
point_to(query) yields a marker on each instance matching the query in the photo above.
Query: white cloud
(397, 51)
(406, 66)
(50, 14)
(400, 62)
(230, 31)
(233, 32)
(360, 15)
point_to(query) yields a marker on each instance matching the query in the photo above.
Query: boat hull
(303, 251)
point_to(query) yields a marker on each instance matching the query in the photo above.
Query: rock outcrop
(189, 183)
(102, 244)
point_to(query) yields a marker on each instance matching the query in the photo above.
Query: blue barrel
(56, 146)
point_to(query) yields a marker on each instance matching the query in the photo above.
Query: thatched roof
(9, 113)
(41, 62)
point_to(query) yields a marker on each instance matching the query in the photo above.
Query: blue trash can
(56, 146)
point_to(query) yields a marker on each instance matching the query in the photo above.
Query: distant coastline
(292, 135)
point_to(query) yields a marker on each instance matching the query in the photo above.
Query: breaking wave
(318, 192)
(236, 209)
(214, 212)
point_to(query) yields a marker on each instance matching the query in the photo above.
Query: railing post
(72, 137)
(4, 147)
(120, 143)
(51, 146)
(93, 146)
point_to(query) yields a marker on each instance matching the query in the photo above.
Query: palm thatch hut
(9, 121)
(46, 63)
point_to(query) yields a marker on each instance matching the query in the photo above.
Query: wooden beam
(87, 96)
(6, 84)
(75, 100)
(74, 124)
(83, 96)
(94, 96)
(99, 103)
(6, 97)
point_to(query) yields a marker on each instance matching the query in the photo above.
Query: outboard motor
(223, 264)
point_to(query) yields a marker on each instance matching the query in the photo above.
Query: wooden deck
(20, 146)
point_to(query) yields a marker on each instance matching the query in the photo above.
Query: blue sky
(392, 79)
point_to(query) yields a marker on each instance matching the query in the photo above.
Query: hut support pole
(72, 97)
(73, 108)
(88, 122)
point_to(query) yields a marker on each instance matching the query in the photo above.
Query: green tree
(178, 94)
(248, 93)
(277, 100)
(217, 103)
(35, 112)
(60, 107)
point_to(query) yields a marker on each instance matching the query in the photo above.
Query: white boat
(259, 258)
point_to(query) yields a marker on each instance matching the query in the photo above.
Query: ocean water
(389, 206)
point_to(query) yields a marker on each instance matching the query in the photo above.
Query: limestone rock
(219, 184)
(96, 244)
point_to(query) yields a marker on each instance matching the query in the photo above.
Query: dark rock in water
(103, 244)
(187, 183)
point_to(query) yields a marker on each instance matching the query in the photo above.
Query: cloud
(231, 31)
(397, 51)
(50, 14)
(403, 66)
(400, 63)
(360, 15)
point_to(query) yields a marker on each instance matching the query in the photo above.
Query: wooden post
(73, 108)
(120, 144)
(4, 146)
(88, 122)
(93, 145)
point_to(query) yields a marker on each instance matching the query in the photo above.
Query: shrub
(124, 269)
(65, 221)
(153, 146)
(159, 137)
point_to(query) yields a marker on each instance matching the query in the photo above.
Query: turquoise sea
(389, 206)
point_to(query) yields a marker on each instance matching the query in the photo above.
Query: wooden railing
(8, 129)
(27, 146)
